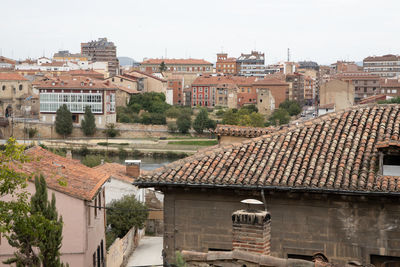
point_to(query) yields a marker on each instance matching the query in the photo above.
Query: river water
(148, 163)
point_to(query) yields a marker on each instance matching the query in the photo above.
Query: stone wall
(120, 251)
(47, 130)
(344, 228)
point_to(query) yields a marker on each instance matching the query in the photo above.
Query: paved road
(148, 252)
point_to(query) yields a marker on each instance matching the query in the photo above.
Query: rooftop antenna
(166, 50)
(288, 54)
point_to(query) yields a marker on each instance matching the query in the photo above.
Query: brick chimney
(133, 168)
(252, 231)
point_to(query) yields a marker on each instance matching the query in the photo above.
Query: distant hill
(127, 61)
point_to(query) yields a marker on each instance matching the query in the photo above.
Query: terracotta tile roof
(85, 72)
(7, 60)
(132, 74)
(224, 79)
(270, 82)
(11, 76)
(74, 82)
(383, 58)
(128, 90)
(334, 153)
(173, 61)
(82, 182)
(54, 64)
(373, 99)
(357, 76)
(242, 131)
(117, 171)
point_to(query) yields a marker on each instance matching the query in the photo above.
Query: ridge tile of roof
(242, 131)
(336, 152)
(81, 181)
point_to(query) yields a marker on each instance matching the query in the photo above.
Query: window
(194, 89)
(394, 91)
(365, 89)
(391, 165)
(385, 261)
(200, 89)
(20, 87)
(94, 259)
(3, 87)
(95, 209)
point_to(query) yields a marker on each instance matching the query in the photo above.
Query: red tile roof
(132, 74)
(11, 76)
(74, 82)
(81, 182)
(173, 61)
(117, 171)
(242, 131)
(373, 99)
(333, 153)
(91, 73)
(270, 82)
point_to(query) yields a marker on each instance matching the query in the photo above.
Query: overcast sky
(318, 30)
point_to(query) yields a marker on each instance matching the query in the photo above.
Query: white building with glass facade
(77, 93)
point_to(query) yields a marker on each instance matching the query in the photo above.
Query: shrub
(122, 154)
(184, 122)
(172, 127)
(31, 132)
(91, 160)
(111, 130)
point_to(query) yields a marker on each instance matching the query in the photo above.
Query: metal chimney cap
(250, 201)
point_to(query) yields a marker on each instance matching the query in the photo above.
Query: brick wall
(344, 228)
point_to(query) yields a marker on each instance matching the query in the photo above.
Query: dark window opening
(391, 160)
(218, 249)
(75, 118)
(300, 257)
(385, 261)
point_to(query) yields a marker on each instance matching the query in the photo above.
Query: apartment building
(252, 64)
(309, 90)
(104, 51)
(386, 66)
(226, 65)
(77, 93)
(278, 89)
(365, 84)
(296, 87)
(390, 87)
(247, 94)
(175, 86)
(188, 65)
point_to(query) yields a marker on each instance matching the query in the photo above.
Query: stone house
(149, 82)
(16, 96)
(331, 184)
(79, 203)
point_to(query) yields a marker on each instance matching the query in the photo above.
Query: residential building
(390, 87)
(387, 66)
(148, 82)
(365, 84)
(309, 90)
(16, 96)
(296, 87)
(330, 185)
(265, 101)
(125, 80)
(187, 93)
(279, 90)
(247, 94)
(345, 66)
(303, 65)
(175, 86)
(65, 55)
(77, 93)
(226, 65)
(188, 65)
(337, 92)
(78, 200)
(252, 64)
(7, 63)
(104, 51)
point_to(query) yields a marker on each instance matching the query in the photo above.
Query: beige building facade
(16, 96)
(337, 92)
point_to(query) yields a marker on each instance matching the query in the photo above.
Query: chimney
(252, 229)
(69, 154)
(133, 168)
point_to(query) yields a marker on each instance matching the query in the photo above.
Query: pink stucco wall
(80, 240)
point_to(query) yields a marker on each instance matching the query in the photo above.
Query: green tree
(230, 117)
(41, 228)
(12, 183)
(111, 130)
(291, 106)
(201, 121)
(88, 123)
(279, 117)
(50, 237)
(162, 67)
(184, 122)
(252, 108)
(63, 121)
(125, 213)
(257, 119)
